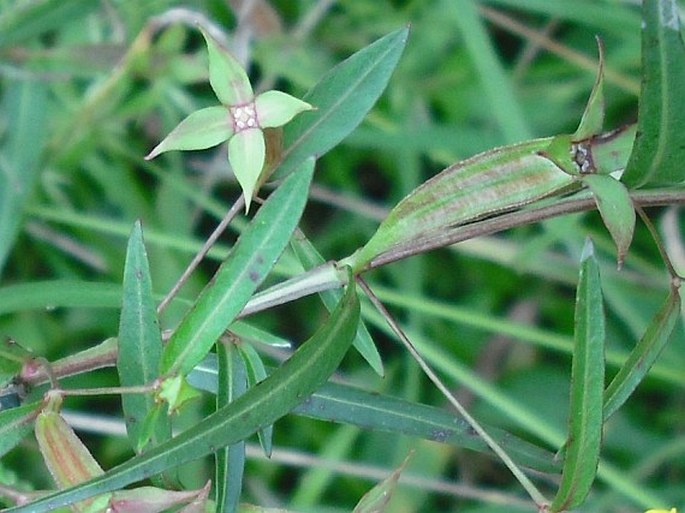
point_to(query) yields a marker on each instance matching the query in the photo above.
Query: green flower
(240, 119)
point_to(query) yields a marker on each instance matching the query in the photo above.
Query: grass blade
(587, 386)
(342, 98)
(256, 372)
(248, 263)
(260, 406)
(25, 105)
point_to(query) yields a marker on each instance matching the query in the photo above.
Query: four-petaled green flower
(240, 119)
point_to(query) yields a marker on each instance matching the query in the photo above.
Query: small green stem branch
(527, 484)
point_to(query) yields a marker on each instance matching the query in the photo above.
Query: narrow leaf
(376, 499)
(255, 373)
(341, 98)
(248, 263)
(379, 412)
(587, 386)
(616, 209)
(660, 144)
(311, 365)
(140, 343)
(12, 359)
(310, 258)
(230, 460)
(643, 355)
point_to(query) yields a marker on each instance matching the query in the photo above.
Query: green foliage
(88, 89)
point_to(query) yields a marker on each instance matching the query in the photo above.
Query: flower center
(244, 117)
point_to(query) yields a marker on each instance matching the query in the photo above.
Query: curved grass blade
(587, 387)
(25, 105)
(643, 355)
(140, 344)
(260, 406)
(350, 405)
(342, 98)
(15, 424)
(230, 460)
(246, 266)
(310, 258)
(660, 144)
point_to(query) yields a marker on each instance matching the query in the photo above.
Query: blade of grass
(25, 105)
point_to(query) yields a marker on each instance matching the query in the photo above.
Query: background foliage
(88, 88)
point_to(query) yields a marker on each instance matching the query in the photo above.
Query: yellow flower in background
(672, 510)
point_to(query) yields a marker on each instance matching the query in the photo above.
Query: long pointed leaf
(249, 262)
(341, 98)
(643, 355)
(230, 460)
(260, 406)
(587, 386)
(140, 343)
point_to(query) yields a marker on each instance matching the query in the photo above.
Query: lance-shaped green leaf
(248, 263)
(616, 209)
(311, 365)
(230, 460)
(587, 386)
(15, 424)
(140, 343)
(342, 98)
(660, 144)
(643, 355)
(376, 499)
(310, 258)
(346, 404)
(255, 373)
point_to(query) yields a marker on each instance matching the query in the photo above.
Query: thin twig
(202, 253)
(657, 240)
